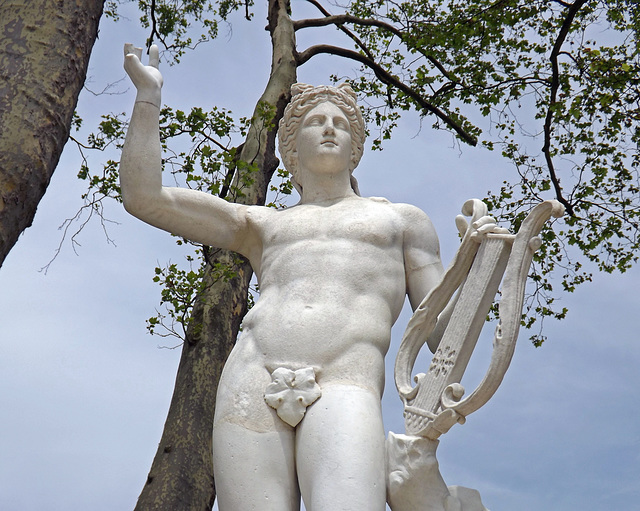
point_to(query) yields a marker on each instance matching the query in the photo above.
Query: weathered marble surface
(414, 482)
(291, 392)
(333, 272)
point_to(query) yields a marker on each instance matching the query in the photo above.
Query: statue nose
(329, 128)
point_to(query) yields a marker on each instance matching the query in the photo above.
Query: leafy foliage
(520, 75)
(513, 75)
(181, 288)
(169, 21)
(200, 154)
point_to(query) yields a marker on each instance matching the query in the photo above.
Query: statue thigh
(340, 451)
(335, 457)
(254, 470)
(253, 450)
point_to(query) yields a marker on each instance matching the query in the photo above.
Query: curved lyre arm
(424, 318)
(510, 311)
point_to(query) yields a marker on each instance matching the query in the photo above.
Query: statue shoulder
(256, 215)
(418, 227)
(262, 220)
(381, 200)
(411, 214)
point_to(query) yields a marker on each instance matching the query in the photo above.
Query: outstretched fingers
(488, 224)
(130, 49)
(154, 56)
(147, 79)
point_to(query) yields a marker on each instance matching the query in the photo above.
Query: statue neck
(326, 187)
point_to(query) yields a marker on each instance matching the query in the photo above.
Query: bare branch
(339, 19)
(94, 206)
(154, 26)
(387, 78)
(106, 89)
(555, 85)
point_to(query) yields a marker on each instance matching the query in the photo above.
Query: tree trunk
(44, 53)
(181, 476)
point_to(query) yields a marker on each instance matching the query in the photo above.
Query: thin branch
(335, 21)
(575, 61)
(154, 26)
(339, 19)
(93, 206)
(183, 131)
(555, 85)
(80, 146)
(106, 88)
(387, 78)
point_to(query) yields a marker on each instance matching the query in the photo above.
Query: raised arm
(194, 215)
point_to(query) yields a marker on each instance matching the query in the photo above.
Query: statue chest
(341, 227)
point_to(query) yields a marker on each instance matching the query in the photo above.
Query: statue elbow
(138, 205)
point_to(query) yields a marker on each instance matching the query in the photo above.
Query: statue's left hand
(147, 79)
(484, 225)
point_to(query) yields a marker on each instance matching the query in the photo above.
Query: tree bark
(181, 476)
(44, 53)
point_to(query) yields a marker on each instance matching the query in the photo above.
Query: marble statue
(298, 408)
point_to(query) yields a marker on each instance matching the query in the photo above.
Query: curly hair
(303, 99)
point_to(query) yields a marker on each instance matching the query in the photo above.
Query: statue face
(323, 141)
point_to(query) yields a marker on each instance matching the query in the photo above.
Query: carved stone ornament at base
(291, 392)
(414, 482)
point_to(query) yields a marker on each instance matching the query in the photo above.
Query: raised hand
(147, 79)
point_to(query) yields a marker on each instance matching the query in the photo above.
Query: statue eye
(314, 121)
(341, 124)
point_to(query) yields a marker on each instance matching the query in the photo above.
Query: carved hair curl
(303, 99)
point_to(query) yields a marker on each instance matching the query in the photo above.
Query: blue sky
(84, 389)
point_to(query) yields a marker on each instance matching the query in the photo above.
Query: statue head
(303, 99)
